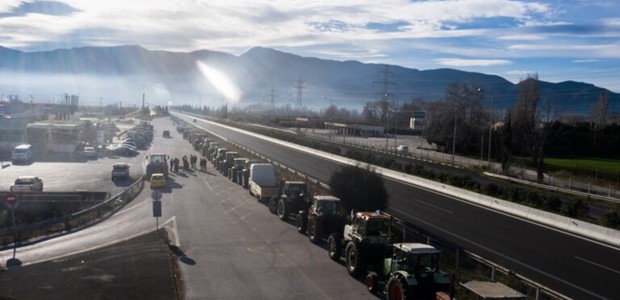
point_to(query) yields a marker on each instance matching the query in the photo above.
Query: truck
(322, 218)
(365, 242)
(27, 184)
(156, 163)
(262, 181)
(411, 272)
(22, 154)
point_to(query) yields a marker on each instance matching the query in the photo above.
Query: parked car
(89, 152)
(125, 151)
(27, 184)
(120, 171)
(158, 181)
(402, 148)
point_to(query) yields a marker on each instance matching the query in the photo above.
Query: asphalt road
(230, 246)
(571, 265)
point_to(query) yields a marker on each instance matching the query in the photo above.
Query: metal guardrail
(541, 291)
(29, 233)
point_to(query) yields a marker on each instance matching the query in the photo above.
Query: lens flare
(221, 82)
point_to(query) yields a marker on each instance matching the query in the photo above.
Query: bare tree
(529, 124)
(461, 110)
(598, 117)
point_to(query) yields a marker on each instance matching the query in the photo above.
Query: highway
(574, 266)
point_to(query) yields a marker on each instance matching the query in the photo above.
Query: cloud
(52, 8)
(580, 61)
(458, 62)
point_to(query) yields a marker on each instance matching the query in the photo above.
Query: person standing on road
(171, 164)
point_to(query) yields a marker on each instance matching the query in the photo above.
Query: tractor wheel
(355, 259)
(273, 205)
(301, 222)
(372, 282)
(283, 210)
(334, 247)
(397, 289)
(314, 230)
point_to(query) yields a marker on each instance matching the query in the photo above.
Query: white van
(263, 181)
(22, 154)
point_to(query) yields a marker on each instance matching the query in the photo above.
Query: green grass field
(608, 168)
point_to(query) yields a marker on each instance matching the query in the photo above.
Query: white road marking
(177, 241)
(598, 265)
(504, 256)
(434, 206)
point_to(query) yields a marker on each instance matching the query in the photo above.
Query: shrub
(361, 189)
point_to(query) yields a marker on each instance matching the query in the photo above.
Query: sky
(557, 39)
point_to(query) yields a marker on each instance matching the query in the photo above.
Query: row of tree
(529, 128)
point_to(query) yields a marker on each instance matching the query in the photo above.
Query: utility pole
(454, 137)
(299, 87)
(272, 102)
(490, 131)
(385, 100)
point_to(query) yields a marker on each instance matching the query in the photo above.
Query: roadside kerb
(584, 229)
(72, 222)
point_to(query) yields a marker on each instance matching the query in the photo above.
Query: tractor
(157, 163)
(323, 218)
(365, 242)
(411, 272)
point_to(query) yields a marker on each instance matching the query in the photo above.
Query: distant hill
(126, 71)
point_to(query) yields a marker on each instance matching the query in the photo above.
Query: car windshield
(472, 125)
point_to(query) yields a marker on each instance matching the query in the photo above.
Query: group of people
(187, 163)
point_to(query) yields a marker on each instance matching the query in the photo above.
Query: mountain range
(123, 73)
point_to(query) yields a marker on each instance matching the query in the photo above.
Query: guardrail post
(68, 223)
(537, 294)
(493, 273)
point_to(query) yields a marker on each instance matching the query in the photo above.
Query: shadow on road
(182, 256)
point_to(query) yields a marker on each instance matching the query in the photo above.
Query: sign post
(156, 196)
(12, 202)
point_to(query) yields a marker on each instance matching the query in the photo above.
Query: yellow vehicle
(158, 180)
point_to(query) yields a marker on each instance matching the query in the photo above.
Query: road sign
(156, 209)
(156, 195)
(11, 200)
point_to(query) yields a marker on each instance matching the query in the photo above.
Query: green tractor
(412, 272)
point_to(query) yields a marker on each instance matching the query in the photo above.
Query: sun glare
(221, 82)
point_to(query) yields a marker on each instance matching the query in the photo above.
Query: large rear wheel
(334, 246)
(300, 223)
(314, 230)
(283, 210)
(355, 260)
(397, 289)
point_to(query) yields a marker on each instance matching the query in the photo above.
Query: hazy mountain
(125, 72)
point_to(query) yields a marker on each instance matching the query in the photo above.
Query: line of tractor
(364, 240)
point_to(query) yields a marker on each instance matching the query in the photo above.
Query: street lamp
(331, 103)
(454, 136)
(490, 131)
